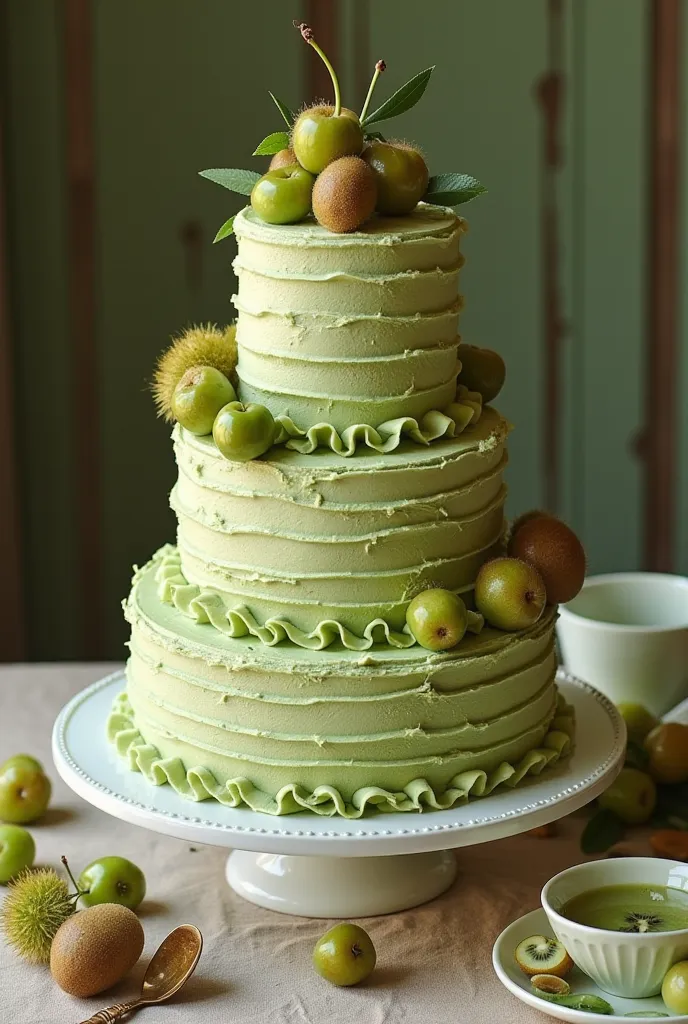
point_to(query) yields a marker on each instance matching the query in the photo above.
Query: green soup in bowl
(624, 921)
(630, 908)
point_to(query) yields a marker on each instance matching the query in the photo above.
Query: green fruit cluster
(333, 170)
(24, 795)
(205, 402)
(656, 756)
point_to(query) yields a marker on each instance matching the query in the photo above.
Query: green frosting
(356, 329)
(269, 660)
(281, 722)
(199, 783)
(210, 606)
(388, 436)
(307, 539)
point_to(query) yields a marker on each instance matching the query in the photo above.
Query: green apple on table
(25, 790)
(112, 880)
(631, 797)
(17, 851)
(345, 955)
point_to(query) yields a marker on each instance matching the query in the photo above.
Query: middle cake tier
(313, 539)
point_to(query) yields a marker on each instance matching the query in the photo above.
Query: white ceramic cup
(631, 965)
(627, 634)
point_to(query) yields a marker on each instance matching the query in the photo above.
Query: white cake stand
(331, 867)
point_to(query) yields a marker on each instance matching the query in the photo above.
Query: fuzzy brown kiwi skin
(95, 948)
(344, 194)
(556, 552)
(285, 158)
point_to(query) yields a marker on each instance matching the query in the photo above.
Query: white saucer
(513, 978)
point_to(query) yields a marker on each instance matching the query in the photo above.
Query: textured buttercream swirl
(352, 331)
(199, 783)
(207, 605)
(387, 437)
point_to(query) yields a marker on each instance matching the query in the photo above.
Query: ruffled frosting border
(205, 605)
(433, 426)
(199, 783)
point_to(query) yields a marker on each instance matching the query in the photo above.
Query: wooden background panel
(682, 447)
(43, 385)
(479, 115)
(169, 103)
(609, 240)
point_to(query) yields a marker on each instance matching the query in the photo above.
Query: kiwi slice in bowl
(540, 954)
(550, 983)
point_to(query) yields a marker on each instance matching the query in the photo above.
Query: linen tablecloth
(434, 962)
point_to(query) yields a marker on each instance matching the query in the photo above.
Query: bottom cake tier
(285, 728)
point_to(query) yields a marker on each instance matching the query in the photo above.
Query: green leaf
(288, 114)
(402, 100)
(234, 179)
(272, 144)
(453, 189)
(636, 755)
(586, 1002)
(370, 136)
(602, 831)
(226, 229)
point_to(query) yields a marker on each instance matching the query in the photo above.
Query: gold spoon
(172, 965)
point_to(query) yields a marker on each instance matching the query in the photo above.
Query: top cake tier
(349, 329)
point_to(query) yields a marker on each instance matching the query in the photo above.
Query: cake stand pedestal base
(340, 886)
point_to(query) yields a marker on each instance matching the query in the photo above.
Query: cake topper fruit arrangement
(331, 164)
(544, 564)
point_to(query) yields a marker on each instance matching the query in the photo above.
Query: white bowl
(627, 634)
(631, 965)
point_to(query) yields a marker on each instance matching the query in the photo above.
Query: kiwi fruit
(482, 370)
(95, 948)
(525, 517)
(550, 983)
(540, 954)
(344, 194)
(284, 158)
(556, 552)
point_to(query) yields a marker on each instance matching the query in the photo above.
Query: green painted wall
(38, 296)
(177, 90)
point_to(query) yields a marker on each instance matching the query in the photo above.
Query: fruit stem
(379, 68)
(307, 33)
(79, 892)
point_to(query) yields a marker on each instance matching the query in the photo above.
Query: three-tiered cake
(271, 663)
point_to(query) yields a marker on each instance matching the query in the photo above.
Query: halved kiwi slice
(550, 983)
(540, 954)
(637, 921)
